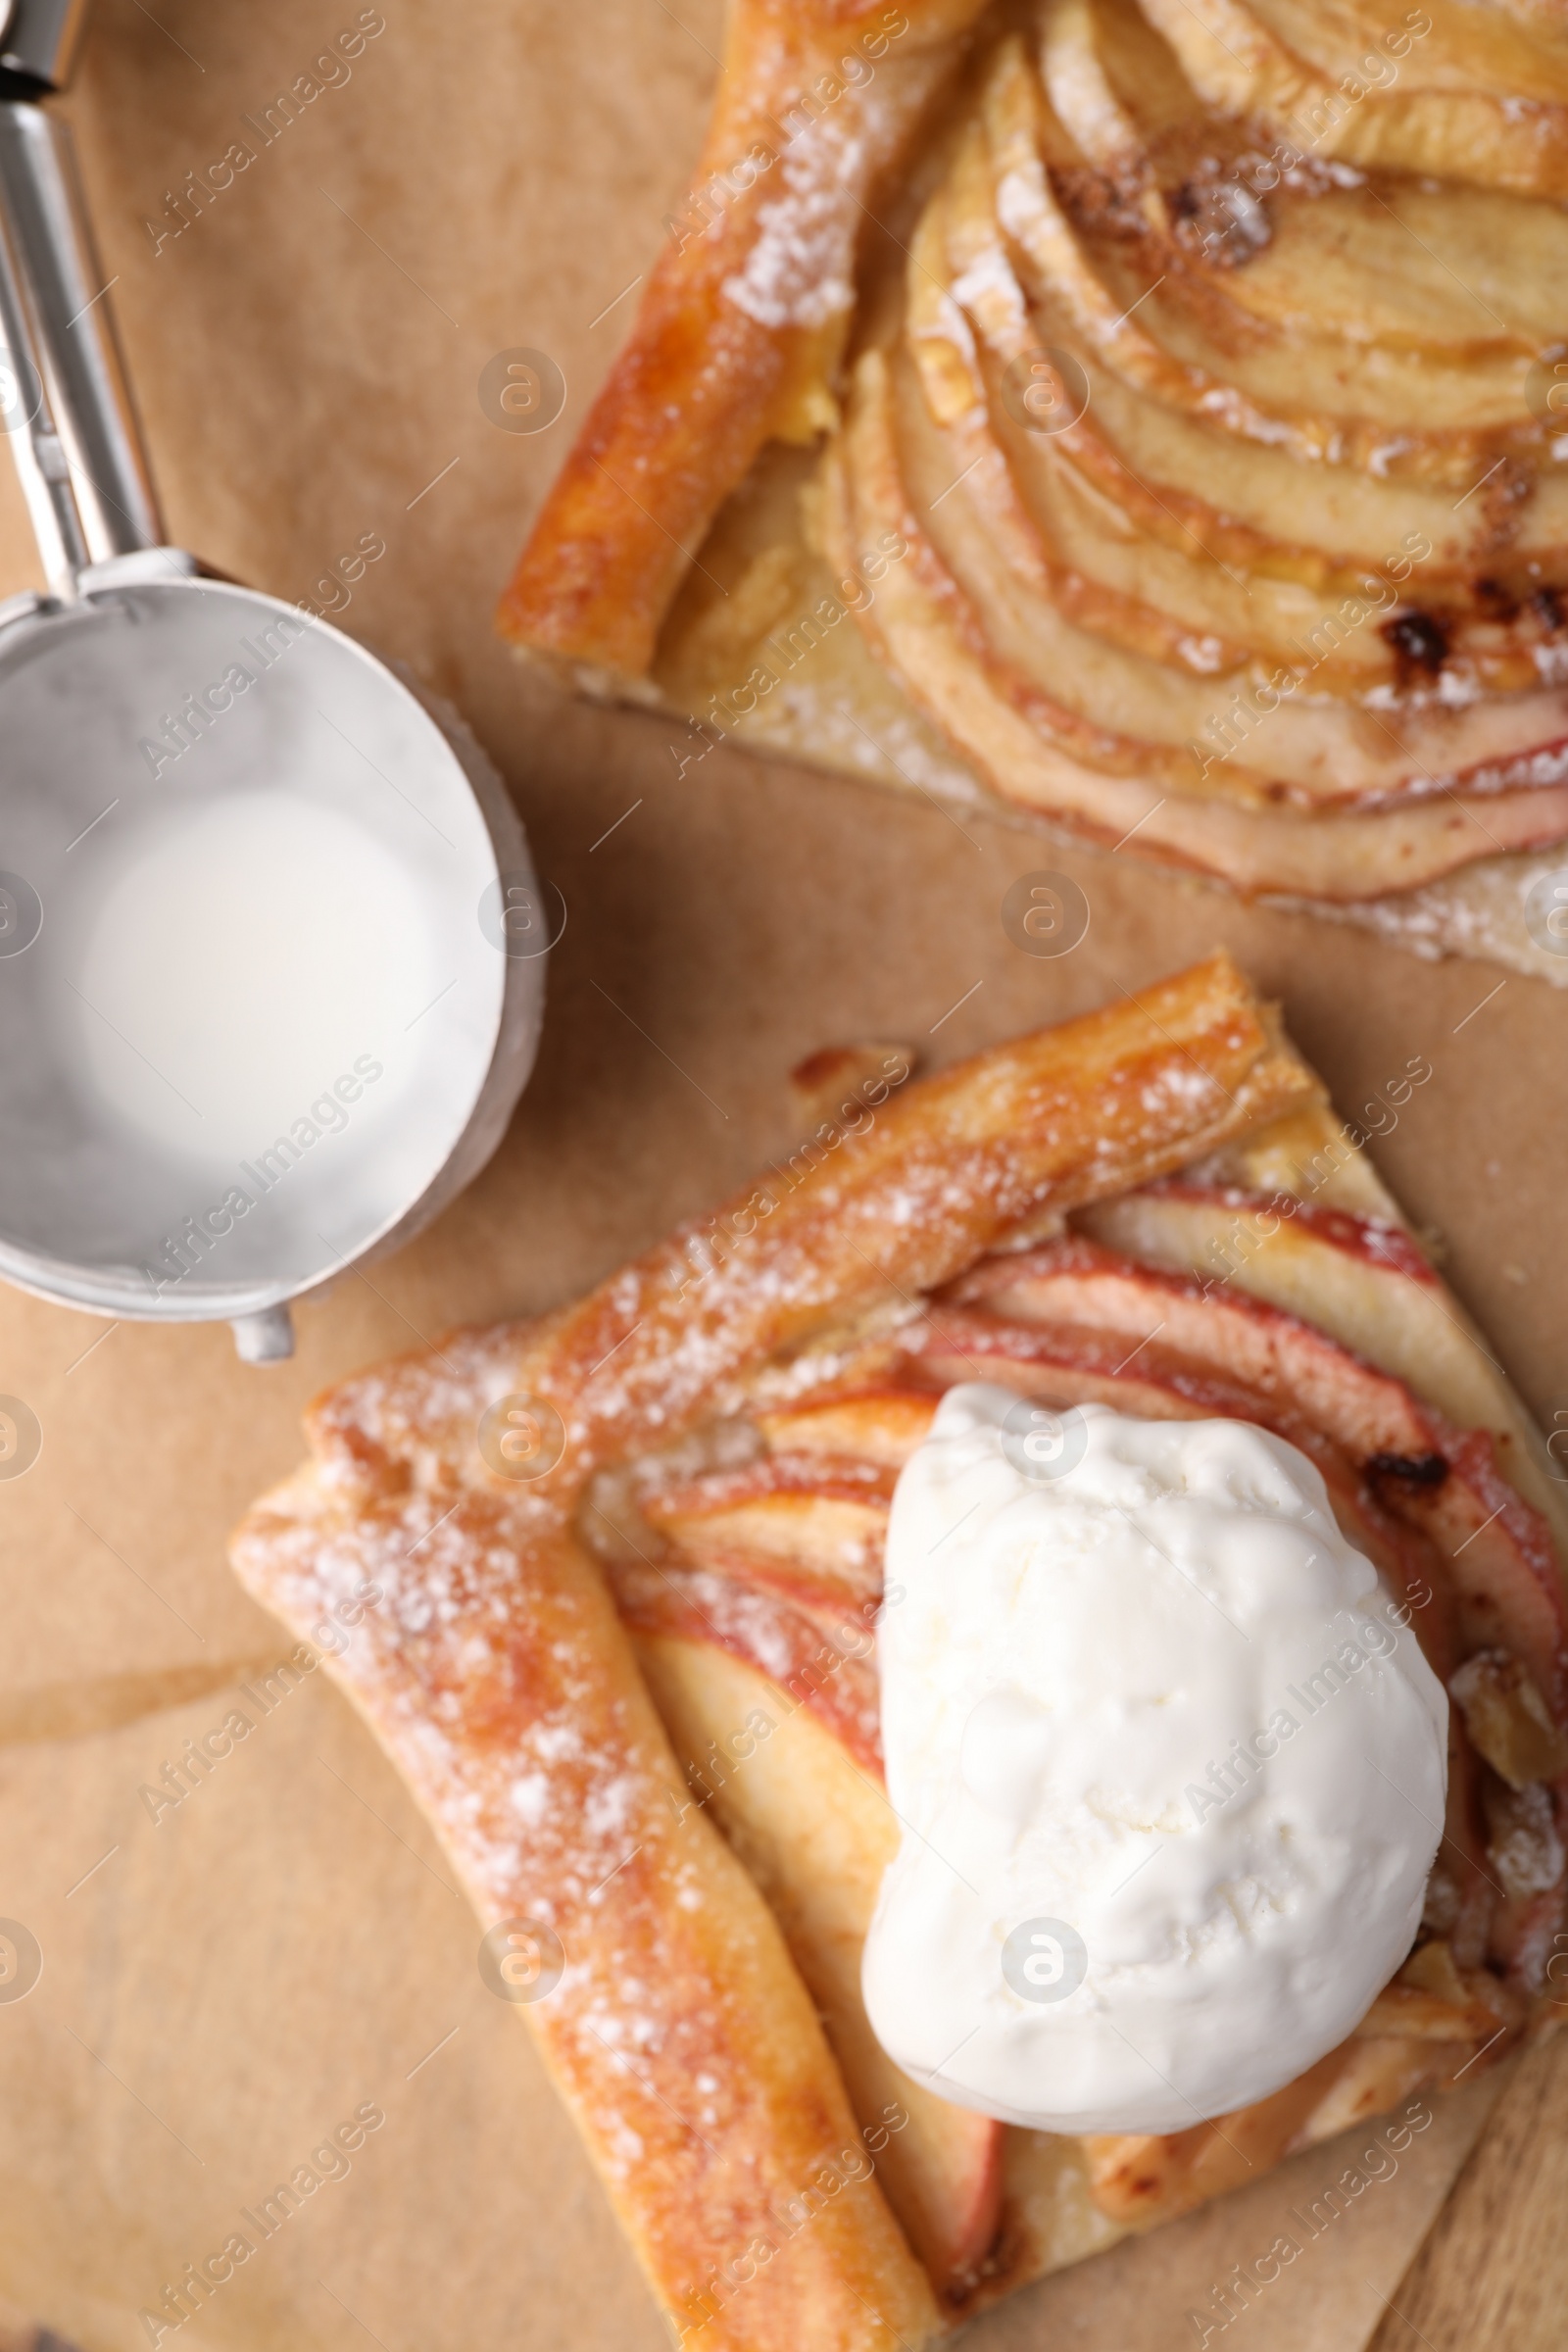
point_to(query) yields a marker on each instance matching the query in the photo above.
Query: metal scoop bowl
(272, 948)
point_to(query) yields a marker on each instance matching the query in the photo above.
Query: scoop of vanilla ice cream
(1169, 1765)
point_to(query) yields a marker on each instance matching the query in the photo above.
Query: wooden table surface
(1493, 2276)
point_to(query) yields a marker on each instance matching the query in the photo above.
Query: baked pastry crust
(716, 1428)
(744, 317)
(1272, 580)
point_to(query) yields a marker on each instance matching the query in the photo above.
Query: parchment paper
(222, 1989)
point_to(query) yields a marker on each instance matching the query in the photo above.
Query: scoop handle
(64, 398)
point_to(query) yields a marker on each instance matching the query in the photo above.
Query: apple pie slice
(616, 1579)
(1150, 416)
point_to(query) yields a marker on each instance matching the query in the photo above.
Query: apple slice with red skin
(1358, 1276)
(808, 1524)
(1067, 1364)
(809, 1817)
(1444, 1481)
(836, 1618)
(881, 1425)
(831, 1677)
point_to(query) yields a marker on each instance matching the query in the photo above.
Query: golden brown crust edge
(492, 1667)
(814, 101)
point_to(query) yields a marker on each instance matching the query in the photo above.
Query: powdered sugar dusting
(798, 271)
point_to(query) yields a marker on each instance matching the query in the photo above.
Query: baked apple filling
(1157, 412)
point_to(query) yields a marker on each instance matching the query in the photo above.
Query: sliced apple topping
(1477, 93)
(807, 1665)
(1146, 575)
(1522, 1844)
(1353, 1271)
(1508, 1720)
(1405, 2009)
(1442, 1481)
(1205, 454)
(883, 1427)
(1035, 750)
(1141, 2179)
(808, 1814)
(819, 1520)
